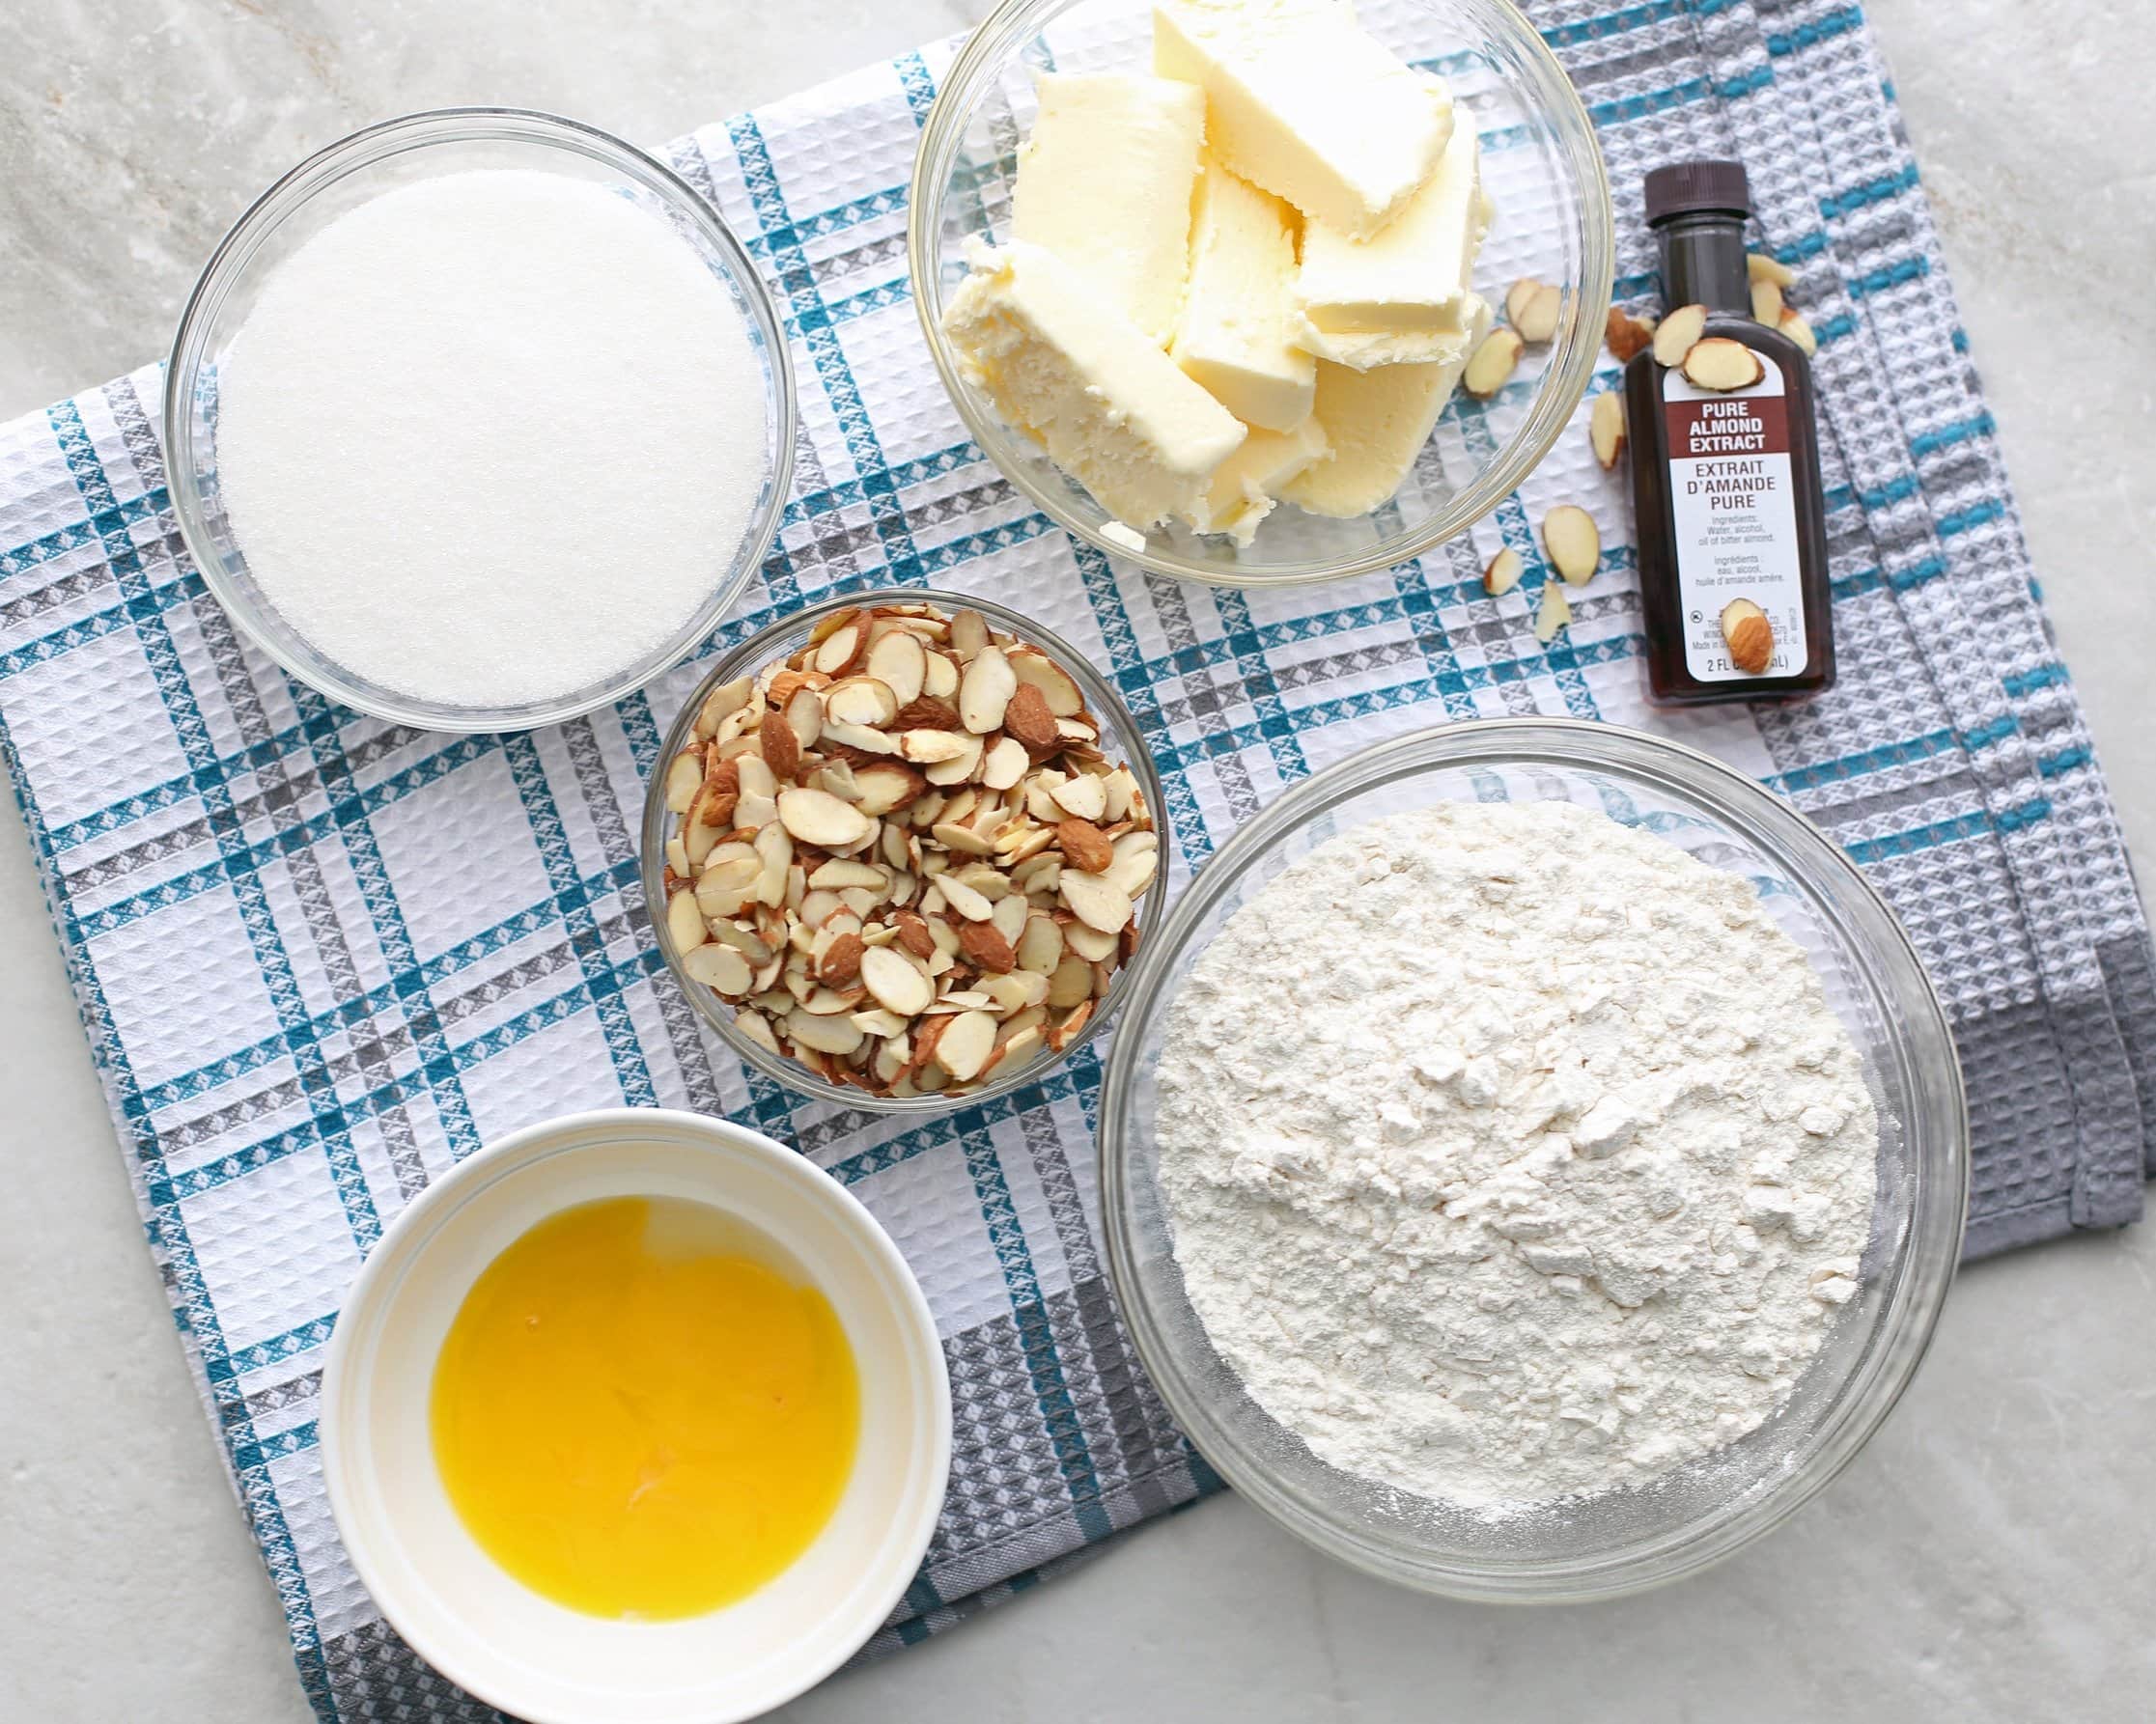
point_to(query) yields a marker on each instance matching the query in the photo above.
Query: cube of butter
(1092, 388)
(1244, 485)
(1238, 334)
(1305, 104)
(1376, 422)
(1103, 182)
(1403, 294)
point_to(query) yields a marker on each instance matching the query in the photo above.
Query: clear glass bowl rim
(286, 197)
(1562, 387)
(750, 656)
(1938, 1134)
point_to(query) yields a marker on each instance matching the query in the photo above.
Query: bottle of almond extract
(1725, 480)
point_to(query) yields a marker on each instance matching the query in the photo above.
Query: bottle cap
(1685, 186)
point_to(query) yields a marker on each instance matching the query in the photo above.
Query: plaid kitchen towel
(320, 958)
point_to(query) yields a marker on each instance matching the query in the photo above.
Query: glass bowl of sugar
(1468, 1180)
(478, 420)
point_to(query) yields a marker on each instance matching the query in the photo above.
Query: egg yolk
(639, 1412)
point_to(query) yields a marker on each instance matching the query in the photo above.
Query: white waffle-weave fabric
(321, 959)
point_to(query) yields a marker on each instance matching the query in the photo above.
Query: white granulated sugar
(492, 437)
(1512, 1153)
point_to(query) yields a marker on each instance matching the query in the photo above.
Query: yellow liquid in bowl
(639, 1412)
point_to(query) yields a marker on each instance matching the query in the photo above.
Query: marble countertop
(1987, 1558)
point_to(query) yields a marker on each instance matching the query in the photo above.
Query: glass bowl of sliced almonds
(899, 848)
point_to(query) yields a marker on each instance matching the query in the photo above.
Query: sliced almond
(754, 776)
(1040, 947)
(941, 678)
(1626, 335)
(1060, 1036)
(1518, 295)
(718, 968)
(824, 1034)
(1098, 902)
(1720, 364)
(972, 906)
(927, 747)
(1573, 542)
(1606, 427)
(1053, 682)
(866, 700)
(836, 777)
(1493, 362)
(1085, 846)
(757, 1028)
(723, 785)
(1677, 333)
(985, 690)
(685, 777)
(964, 1048)
(781, 747)
(838, 733)
(821, 819)
(900, 662)
(774, 849)
(1765, 304)
(1137, 858)
(1536, 308)
(1122, 791)
(698, 840)
(1089, 943)
(1009, 919)
(838, 874)
(964, 839)
(1084, 795)
(1793, 325)
(885, 786)
(804, 712)
(1071, 981)
(984, 948)
(1501, 573)
(839, 652)
(742, 939)
(969, 634)
(1029, 718)
(893, 983)
(685, 922)
(1554, 614)
(1004, 764)
(722, 703)
(724, 890)
(1758, 266)
(959, 768)
(914, 933)
(1749, 635)
(1011, 993)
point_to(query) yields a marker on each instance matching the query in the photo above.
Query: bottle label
(1734, 512)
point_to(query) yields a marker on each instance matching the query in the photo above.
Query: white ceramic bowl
(490, 1634)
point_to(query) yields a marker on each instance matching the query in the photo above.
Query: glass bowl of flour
(478, 420)
(1533, 1159)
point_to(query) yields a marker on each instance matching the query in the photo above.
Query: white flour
(491, 438)
(1512, 1153)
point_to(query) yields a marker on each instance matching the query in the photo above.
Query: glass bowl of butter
(1221, 286)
